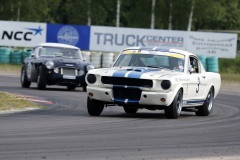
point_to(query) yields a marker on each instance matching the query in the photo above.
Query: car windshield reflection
(59, 52)
(169, 61)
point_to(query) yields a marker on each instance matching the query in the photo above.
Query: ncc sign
(22, 33)
(112, 39)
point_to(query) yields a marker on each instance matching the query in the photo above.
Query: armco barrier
(5, 55)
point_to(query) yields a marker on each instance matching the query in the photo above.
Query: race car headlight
(50, 65)
(90, 67)
(91, 78)
(166, 84)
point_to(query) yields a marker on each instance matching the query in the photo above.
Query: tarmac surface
(65, 131)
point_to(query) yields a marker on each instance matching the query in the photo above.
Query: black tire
(174, 110)
(41, 79)
(24, 80)
(207, 106)
(84, 88)
(71, 87)
(130, 110)
(94, 107)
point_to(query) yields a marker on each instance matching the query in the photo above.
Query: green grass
(230, 66)
(10, 68)
(230, 78)
(9, 101)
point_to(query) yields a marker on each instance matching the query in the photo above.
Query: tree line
(166, 14)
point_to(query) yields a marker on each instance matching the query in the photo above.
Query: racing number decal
(198, 84)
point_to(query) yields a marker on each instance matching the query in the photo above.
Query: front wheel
(94, 107)
(206, 108)
(24, 80)
(174, 110)
(41, 79)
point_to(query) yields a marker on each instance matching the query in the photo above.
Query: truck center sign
(223, 45)
(112, 39)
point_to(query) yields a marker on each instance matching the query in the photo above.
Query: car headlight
(91, 78)
(90, 67)
(50, 65)
(166, 84)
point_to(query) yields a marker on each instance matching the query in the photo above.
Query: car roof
(59, 45)
(161, 50)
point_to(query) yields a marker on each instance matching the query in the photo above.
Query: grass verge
(9, 101)
(230, 78)
(10, 68)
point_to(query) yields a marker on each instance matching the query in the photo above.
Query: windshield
(172, 61)
(59, 52)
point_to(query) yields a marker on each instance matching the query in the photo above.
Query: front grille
(127, 93)
(127, 81)
(67, 71)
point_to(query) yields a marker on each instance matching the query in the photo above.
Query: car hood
(136, 72)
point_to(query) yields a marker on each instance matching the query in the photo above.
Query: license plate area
(127, 93)
(69, 77)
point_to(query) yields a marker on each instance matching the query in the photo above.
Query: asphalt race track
(64, 131)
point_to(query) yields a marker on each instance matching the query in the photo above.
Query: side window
(194, 64)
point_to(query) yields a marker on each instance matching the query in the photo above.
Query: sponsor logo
(68, 35)
(137, 40)
(21, 35)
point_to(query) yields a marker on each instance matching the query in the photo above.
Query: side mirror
(33, 56)
(84, 59)
(191, 70)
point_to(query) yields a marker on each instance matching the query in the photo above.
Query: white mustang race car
(153, 78)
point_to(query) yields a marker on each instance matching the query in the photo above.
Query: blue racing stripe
(195, 101)
(119, 100)
(120, 73)
(129, 101)
(145, 48)
(162, 50)
(137, 73)
(132, 101)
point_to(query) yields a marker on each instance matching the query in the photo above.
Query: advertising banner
(22, 33)
(116, 39)
(223, 45)
(69, 34)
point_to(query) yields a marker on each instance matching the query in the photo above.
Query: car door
(196, 81)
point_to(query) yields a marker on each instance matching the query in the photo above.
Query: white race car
(153, 78)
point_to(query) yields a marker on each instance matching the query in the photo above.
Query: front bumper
(146, 97)
(65, 80)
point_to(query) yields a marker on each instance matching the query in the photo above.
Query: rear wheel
(24, 80)
(206, 108)
(174, 110)
(94, 107)
(41, 79)
(131, 110)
